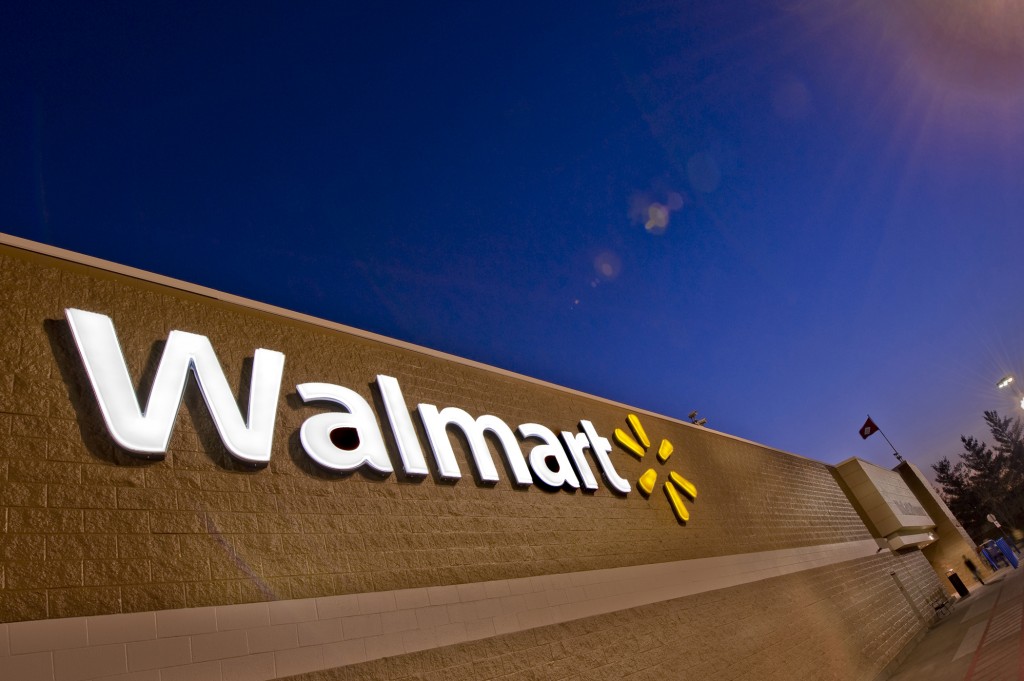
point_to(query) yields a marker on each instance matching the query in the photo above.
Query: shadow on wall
(87, 413)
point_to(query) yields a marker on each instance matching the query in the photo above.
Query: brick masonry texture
(312, 634)
(842, 622)
(88, 530)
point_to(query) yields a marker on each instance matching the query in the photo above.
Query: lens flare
(608, 264)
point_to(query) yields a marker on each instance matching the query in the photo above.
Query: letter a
(315, 433)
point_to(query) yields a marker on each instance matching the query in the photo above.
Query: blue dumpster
(1005, 549)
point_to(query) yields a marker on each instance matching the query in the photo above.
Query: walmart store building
(197, 486)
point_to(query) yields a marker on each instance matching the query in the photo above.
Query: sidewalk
(979, 640)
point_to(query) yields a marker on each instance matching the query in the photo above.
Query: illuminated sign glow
(552, 462)
(147, 432)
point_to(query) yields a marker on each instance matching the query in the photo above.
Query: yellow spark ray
(664, 451)
(629, 443)
(676, 487)
(677, 503)
(685, 485)
(638, 430)
(647, 480)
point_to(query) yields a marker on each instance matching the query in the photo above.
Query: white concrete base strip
(258, 641)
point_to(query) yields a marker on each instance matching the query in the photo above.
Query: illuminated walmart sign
(342, 441)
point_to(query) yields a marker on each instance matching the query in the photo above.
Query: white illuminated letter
(149, 433)
(447, 466)
(315, 433)
(436, 424)
(551, 449)
(577, 444)
(401, 426)
(600, 447)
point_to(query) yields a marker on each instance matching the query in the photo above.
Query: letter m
(148, 432)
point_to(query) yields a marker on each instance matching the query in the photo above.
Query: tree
(960, 495)
(986, 479)
(1008, 434)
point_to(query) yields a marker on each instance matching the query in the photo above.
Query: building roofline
(273, 310)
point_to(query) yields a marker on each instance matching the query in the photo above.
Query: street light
(1004, 382)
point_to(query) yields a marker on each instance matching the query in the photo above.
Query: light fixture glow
(1004, 381)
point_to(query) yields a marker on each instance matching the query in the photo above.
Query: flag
(868, 429)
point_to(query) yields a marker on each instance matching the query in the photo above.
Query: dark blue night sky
(786, 215)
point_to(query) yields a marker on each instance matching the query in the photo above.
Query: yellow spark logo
(637, 445)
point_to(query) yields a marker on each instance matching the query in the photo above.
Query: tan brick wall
(89, 530)
(842, 622)
(954, 542)
(286, 637)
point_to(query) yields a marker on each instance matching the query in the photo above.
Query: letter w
(149, 432)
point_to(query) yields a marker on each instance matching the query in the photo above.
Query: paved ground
(981, 639)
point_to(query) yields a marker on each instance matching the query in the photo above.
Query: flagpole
(897, 454)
